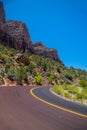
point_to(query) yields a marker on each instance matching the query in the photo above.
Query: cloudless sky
(60, 24)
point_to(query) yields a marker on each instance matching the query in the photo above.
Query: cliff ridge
(15, 34)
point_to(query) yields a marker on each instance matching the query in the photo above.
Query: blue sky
(60, 24)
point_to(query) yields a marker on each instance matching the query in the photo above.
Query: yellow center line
(56, 106)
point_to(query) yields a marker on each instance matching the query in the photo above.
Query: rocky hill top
(15, 34)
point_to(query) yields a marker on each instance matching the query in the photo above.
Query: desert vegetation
(70, 83)
(37, 70)
(75, 93)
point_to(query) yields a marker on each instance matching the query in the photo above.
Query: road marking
(56, 106)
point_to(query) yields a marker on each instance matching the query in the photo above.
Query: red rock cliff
(15, 34)
(19, 32)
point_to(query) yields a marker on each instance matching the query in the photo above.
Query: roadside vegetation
(75, 93)
(37, 70)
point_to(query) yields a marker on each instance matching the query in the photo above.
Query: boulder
(20, 58)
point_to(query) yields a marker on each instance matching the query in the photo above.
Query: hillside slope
(18, 67)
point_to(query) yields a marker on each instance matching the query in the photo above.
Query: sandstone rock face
(19, 32)
(40, 49)
(15, 34)
(19, 58)
(6, 39)
(37, 44)
(2, 12)
(46, 52)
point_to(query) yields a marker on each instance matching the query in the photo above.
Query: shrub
(31, 70)
(11, 74)
(67, 95)
(2, 72)
(44, 66)
(52, 78)
(58, 69)
(17, 73)
(57, 89)
(48, 73)
(38, 79)
(83, 83)
(79, 95)
(18, 77)
(21, 74)
(69, 77)
(73, 90)
(82, 94)
(66, 87)
(3, 57)
(7, 66)
(70, 89)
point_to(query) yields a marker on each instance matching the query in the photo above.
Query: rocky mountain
(15, 34)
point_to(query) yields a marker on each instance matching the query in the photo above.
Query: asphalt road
(44, 93)
(19, 110)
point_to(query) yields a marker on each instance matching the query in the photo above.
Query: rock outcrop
(15, 34)
(19, 32)
(46, 52)
(7, 40)
(20, 58)
(37, 44)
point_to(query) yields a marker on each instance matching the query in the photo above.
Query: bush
(66, 87)
(7, 66)
(70, 89)
(79, 95)
(73, 90)
(69, 77)
(38, 79)
(21, 74)
(58, 69)
(67, 95)
(48, 73)
(17, 73)
(52, 78)
(3, 57)
(83, 83)
(31, 70)
(57, 89)
(2, 72)
(11, 73)
(82, 94)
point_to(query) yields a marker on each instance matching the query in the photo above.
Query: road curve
(19, 110)
(44, 94)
